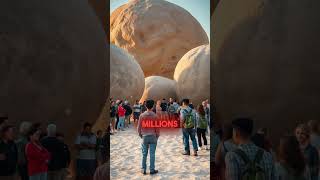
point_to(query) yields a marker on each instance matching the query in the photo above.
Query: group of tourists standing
(239, 154)
(40, 153)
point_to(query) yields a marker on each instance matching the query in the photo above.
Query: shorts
(86, 167)
(136, 115)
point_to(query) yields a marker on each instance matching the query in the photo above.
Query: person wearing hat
(237, 160)
(310, 153)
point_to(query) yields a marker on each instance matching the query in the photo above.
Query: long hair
(291, 155)
(200, 110)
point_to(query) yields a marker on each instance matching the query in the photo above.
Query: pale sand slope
(126, 155)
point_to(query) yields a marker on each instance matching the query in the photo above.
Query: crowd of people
(40, 153)
(239, 153)
(194, 122)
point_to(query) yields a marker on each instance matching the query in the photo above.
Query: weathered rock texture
(192, 75)
(157, 33)
(53, 63)
(267, 61)
(101, 9)
(157, 88)
(126, 76)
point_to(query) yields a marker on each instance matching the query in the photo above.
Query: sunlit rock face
(157, 88)
(267, 62)
(192, 75)
(126, 76)
(101, 10)
(157, 33)
(53, 63)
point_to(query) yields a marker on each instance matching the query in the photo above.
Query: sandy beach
(125, 153)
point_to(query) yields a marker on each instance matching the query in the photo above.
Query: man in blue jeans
(149, 136)
(187, 120)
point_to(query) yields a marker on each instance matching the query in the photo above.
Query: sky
(200, 9)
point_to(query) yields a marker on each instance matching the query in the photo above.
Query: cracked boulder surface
(157, 33)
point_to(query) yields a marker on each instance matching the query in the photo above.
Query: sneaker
(199, 148)
(207, 147)
(143, 171)
(186, 153)
(154, 172)
(195, 153)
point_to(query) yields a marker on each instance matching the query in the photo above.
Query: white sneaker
(199, 148)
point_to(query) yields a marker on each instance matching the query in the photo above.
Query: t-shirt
(121, 111)
(137, 108)
(88, 154)
(57, 152)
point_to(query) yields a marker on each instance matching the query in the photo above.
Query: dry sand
(125, 154)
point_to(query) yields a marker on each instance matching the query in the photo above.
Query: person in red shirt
(37, 156)
(121, 114)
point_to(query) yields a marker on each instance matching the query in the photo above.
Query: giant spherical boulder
(157, 33)
(157, 88)
(126, 76)
(53, 63)
(267, 62)
(192, 75)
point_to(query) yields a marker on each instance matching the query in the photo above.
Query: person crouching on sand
(149, 138)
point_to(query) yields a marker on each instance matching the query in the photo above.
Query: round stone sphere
(157, 33)
(126, 76)
(267, 62)
(192, 75)
(53, 64)
(157, 88)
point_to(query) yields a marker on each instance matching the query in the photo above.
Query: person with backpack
(310, 153)
(187, 123)
(202, 125)
(224, 147)
(291, 164)
(247, 161)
